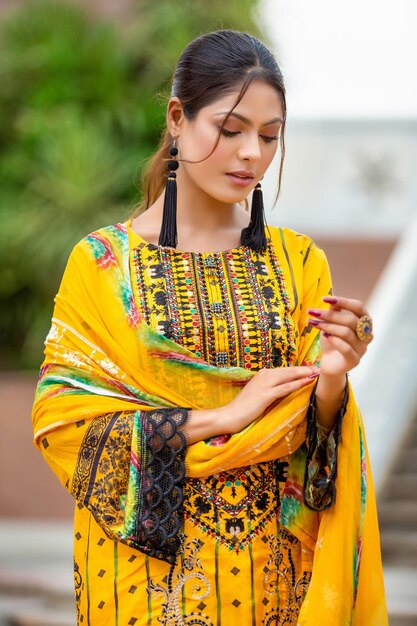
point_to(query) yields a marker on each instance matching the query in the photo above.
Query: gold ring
(364, 328)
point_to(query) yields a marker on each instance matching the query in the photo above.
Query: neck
(199, 212)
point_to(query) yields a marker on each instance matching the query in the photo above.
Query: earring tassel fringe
(168, 233)
(254, 234)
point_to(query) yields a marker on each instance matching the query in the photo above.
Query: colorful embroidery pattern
(230, 309)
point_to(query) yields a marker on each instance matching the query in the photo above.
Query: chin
(229, 196)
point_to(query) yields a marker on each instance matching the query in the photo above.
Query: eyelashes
(231, 133)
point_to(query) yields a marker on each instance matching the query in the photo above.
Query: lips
(241, 178)
(242, 174)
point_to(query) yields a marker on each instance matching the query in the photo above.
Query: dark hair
(211, 66)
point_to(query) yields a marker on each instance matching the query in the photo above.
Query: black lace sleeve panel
(160, 510)
(130, 474)
(321, 462)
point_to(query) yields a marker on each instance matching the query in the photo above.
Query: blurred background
(83, 89)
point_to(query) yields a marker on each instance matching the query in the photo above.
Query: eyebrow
(245, 119)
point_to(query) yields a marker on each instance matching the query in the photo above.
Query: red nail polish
(330, 300)
(327, 335)
(314, 312)
(313, 322)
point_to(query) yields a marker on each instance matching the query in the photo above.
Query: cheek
(200, 145)
(269, 155)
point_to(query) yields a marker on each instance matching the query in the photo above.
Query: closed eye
(231, 133)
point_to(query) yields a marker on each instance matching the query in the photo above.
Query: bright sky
(355, 58)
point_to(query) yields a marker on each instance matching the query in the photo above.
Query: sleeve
(321, 461)
(128, 470)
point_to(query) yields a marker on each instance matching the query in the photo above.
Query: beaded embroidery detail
(229, 308)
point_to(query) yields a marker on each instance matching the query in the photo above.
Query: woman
(194, 397)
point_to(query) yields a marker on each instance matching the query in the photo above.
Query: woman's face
(247, 144)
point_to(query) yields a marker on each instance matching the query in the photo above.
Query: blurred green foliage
(82, 104)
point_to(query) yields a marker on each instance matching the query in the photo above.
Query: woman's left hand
(341, 347)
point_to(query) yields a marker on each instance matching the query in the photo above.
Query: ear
(175, 116)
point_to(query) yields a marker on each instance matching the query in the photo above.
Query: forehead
(260, 102)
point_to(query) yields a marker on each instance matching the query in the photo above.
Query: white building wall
(350, 177)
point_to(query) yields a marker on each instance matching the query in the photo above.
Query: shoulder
(112, 238)
(113, 234)
(304, 261)
(102, 249)
(295, 244)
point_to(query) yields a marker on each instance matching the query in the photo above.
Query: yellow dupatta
(101, 357)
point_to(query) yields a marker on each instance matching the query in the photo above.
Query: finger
(342, 317)
(356, 306)
(285, 389)
(351, 353)
(282, 375)
(342, 332)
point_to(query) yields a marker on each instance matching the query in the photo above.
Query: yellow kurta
(237, 564)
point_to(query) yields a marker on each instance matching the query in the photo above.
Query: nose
(250, 148)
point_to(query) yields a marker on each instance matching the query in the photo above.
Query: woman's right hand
(267, 386)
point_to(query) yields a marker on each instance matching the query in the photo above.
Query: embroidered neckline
(141, 241)
(228, 309)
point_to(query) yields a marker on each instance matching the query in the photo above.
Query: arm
(329, 396)
(205, 424)
(340, 351)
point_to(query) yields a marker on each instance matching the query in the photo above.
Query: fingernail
(314, 322)
(312, 376)
(315, 312)
(329, 299)
(327, 335)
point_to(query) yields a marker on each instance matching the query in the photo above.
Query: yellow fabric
(102, 358)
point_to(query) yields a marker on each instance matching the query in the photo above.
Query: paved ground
(36, 586)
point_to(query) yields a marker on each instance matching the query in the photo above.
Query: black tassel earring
(254, 234)
(168, 234)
